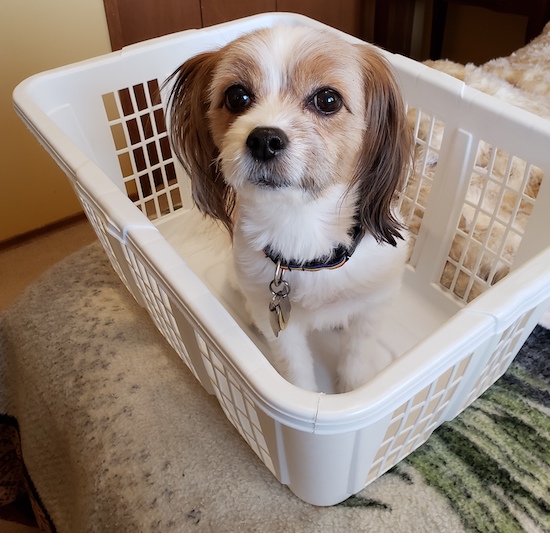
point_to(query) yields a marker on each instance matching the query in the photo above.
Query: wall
(476, 35)
(36, 35)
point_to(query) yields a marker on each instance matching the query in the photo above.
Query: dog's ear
(387, 149)
(191, 139)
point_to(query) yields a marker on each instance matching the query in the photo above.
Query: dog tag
(279, 308)
(284, 304)
(275, 315)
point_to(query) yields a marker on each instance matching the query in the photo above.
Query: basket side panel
(501, 194)
(504, 348)
(168, 316)
(428, 130)
(240, 408)
(478, 173)
(327, 469)
(432, 101)
(152, 178)
(113, 246)
(413, 422)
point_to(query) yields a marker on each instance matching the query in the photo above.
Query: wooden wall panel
(352, 16)
(216, 11)
(132, 21)
(394, 23)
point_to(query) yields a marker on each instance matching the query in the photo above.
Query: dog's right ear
(191, 140)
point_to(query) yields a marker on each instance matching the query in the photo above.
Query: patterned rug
(493, 461)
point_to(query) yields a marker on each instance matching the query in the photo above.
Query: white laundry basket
(102, 120)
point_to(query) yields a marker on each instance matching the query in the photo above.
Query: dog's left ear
(387, 149)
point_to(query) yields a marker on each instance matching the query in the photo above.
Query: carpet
(117, 435)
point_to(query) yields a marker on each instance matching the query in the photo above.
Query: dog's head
(291, 110)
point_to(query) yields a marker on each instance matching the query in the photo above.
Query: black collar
(337, 257)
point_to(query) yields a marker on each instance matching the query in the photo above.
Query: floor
(20, 264)
(23, 262)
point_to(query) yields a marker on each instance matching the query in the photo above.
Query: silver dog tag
(284, 304)
(279, 308)
(275, 315)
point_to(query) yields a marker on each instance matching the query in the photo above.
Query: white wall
(37, 35)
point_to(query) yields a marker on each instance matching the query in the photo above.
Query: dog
(296, 141)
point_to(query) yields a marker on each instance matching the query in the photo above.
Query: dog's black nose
(265, 143)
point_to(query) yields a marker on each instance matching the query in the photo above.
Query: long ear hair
(387, 150)
(191, 138)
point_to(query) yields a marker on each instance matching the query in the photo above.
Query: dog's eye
(327, 101)
(237, 99)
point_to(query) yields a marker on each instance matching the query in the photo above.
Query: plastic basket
(102, 120)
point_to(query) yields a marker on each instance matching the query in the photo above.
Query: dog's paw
(304, 383)
(301, 376)
(361, 365)
(347, 383)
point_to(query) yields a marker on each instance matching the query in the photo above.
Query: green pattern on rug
(493, 461)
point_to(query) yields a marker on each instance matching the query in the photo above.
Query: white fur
(354, 297)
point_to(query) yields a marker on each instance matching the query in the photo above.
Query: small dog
(297, 141)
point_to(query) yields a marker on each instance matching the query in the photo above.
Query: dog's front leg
(363, 357)
(292, 356)
(290, 353)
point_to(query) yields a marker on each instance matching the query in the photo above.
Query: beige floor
(21, 264)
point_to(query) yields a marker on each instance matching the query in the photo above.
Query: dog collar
(337, 258)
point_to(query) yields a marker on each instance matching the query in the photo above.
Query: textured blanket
(116, 434)
(108, 431)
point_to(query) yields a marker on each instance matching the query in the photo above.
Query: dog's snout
(265, 143)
